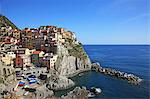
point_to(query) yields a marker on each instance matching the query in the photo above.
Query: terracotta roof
(8, 38)
(16, 31)
(49, 26)
(44, 31)
(7, 42)
(36, 52)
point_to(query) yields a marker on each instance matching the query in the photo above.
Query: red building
(18, 62)
(46, 62)
(43, 48)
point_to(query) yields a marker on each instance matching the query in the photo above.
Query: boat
(90, 95)
(98, 90)
(21, 83)
(26, 93)
(81, 74)
(95, 90)
(30, 89)
(26, 86)
(33, 81)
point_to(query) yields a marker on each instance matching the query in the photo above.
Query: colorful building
(50, 60)
(7, 60)
(36, 58)
(7, 73)
(26, 60)
(18, 62)
(16, 34)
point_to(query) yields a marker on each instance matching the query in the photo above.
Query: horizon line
(119, 44)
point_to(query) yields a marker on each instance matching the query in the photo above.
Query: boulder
(58, 82)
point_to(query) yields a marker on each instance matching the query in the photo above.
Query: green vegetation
(78, 51)
(75, 50)
(6, 22)
(70, 41)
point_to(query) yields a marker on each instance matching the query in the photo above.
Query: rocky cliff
(58, 82)
(72, 59)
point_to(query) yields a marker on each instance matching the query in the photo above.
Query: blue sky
(93, 21)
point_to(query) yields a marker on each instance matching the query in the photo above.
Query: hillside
(63, 55)
(4, 21)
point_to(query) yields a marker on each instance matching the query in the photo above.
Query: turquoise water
(131, 59)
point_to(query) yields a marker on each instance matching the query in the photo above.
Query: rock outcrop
(77, 93)
(43, 91)
(58, 82)
(72, 60)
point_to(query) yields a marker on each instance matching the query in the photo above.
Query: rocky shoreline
(57, 82)
(131, 78)
(78, 72)
(77, 93)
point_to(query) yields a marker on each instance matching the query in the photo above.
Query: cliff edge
(72, 59)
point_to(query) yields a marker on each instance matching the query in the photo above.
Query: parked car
(42, 77)
(30, 89)
(33, 81)
(28, 73)
(31, 76)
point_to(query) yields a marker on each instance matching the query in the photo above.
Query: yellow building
(41, 54)
(52, 59)
(67, 34)
(61, 30)
(26, 60)
(16, 34)
(7, 73)
(29, 52)
(61, 39)
(8, 59)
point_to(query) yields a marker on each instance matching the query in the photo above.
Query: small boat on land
(21, 83)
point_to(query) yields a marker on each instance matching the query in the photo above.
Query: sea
(133, 59)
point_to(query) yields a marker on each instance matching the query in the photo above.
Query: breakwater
(131, 78)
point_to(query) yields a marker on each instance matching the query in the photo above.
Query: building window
(4, 71)
(8, 71)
